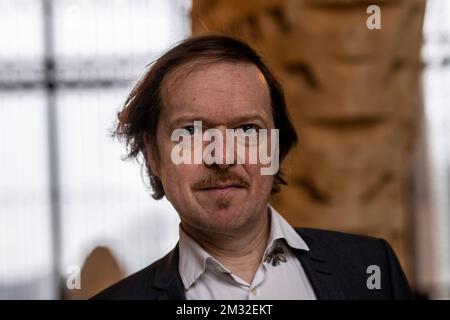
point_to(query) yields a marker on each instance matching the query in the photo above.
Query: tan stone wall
(354, 95)
(100, 270)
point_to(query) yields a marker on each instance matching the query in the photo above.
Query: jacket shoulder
(328, 237)
(353, 256)
(346, 247)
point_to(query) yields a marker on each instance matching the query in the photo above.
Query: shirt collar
(194, 259)
(281, 229)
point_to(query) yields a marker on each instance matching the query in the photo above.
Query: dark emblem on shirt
(275, 256)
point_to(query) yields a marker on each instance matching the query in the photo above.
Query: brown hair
(140, 114)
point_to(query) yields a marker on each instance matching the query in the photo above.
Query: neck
(241, 252)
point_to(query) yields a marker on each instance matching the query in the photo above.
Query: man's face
(223, 198)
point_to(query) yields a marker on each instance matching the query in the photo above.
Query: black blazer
(335, 265)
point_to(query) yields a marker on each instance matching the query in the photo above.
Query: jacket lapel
(167, 278)
(320, 273)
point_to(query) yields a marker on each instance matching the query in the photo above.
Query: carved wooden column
(354, 95)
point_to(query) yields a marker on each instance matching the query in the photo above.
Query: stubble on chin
(222, 203)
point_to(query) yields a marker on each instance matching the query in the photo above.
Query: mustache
(221, 178)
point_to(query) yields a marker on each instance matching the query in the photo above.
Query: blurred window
(435, 262)
(66, 67)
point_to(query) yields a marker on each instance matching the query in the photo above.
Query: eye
(248, 128)
(192, 129)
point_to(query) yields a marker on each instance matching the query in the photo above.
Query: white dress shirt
(279, 276)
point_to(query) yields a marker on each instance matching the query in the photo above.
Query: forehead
(216, 91)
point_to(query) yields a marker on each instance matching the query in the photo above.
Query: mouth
(221, 188)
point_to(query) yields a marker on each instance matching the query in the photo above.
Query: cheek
(178, 179)
(262, 183)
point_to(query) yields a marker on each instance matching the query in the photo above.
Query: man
(233, 244)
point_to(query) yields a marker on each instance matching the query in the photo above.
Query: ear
(151, 156)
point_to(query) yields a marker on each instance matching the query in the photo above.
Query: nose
(222, 166)
(224, 154)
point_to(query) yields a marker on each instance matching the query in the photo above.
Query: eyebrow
(240, 119)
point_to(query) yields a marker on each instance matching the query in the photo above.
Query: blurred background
(371, 106)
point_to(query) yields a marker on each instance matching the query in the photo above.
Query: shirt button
(254, 291)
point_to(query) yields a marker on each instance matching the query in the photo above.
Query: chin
(228, 219)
